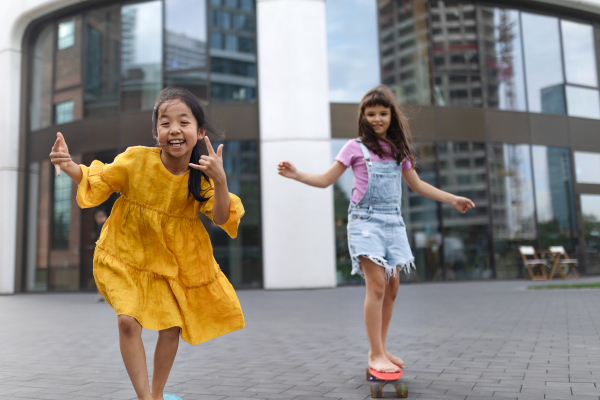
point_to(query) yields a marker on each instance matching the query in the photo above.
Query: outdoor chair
(566, 264)
(535, 268)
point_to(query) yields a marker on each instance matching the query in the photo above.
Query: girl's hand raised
(59, 156)
(212, 164)
(287, 169)
(462, 204)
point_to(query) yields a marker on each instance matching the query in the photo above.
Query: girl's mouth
(176, 144)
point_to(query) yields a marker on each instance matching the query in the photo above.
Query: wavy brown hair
(398, 135)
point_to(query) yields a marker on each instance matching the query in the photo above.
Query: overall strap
(365, 150)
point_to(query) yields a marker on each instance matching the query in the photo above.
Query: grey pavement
(464, 341)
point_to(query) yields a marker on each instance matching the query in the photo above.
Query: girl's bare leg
(164, 355)
(391, 290)
(375, 281)
(134, 355)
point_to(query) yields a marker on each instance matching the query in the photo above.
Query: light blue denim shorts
(378, 232)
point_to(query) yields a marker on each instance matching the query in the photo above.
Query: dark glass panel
(37, 226)
(421, 216)
(466, 236)
(141, 54)
(102, 61)
(233, 59)
(511, 187)
(590, 213)
(240, 258)
(195, 82)
(185, 30)
(68, 94)
(40, 108)
(554, 196)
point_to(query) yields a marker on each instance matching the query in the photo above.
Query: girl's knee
(170, 333)
(376, 292)
(129, 326)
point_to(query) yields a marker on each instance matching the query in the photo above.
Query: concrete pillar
(297, 220)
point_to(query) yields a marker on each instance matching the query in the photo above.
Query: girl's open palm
(462, 204)
(286, 169)
(212, 164)
(59, 156)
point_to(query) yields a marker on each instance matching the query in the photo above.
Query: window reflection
(580, 57)
(587, 166)
(465, 237)
(40, 108)
(543, 64)
(554, 197)
(513, 209)
(590, 213)
(501, 33)
(240, 258)
(583, 102)
(141, 54)
(456, 54)
(421, 216)
(36, 257)
(405, 60)
(68, 94)
(102, 61)
(233, 59)
(195, 82)
(185, 30)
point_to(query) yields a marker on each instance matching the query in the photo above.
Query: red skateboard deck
(378, 380)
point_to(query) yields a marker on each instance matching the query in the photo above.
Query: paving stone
(460, 341)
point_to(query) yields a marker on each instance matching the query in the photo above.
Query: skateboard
(378, 380)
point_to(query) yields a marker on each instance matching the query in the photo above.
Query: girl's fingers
(196, 166)
(220, 151)
(211, 151)
(57, 169)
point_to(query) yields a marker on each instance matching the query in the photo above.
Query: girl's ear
(201, 133)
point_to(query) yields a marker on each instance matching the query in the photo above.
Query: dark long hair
(169, 94)
(398, 135)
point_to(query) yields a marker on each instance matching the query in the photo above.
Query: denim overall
(376, 229)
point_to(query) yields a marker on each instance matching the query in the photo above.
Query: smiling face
(177, 130)
(380, 118)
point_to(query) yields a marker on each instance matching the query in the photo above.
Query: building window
(587, 166)
(66, 34)
(62, 212)
(64, 112)
(185, 30)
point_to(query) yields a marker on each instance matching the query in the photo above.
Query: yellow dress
(154, 260)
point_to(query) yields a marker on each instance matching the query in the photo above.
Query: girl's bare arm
(288, 170)
(462, 204)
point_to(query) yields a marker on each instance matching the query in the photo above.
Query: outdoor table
(555, 260)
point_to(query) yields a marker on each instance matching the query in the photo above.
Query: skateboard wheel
(376, 390)
(401, 391)
(369, 376)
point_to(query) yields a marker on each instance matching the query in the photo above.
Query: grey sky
(353, 49)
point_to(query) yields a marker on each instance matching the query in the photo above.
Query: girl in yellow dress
(154, 262)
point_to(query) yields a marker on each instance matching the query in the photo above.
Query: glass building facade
(94, 75)
(473, 78)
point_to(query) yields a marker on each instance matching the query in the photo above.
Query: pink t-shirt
(351, 156)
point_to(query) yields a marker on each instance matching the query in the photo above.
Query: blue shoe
(171, 397)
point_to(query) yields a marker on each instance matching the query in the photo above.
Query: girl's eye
(165, 124)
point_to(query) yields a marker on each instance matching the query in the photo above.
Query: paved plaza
(461, 341)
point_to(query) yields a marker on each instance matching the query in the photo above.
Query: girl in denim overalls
(377, 239)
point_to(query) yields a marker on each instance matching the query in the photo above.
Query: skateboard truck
(378, 380)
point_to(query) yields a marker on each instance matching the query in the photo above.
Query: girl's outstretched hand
(462, 204)
(287, 169)
(59, 156)
(212, 164)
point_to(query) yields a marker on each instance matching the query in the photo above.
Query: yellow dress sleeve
(100, 180)
(236, 209)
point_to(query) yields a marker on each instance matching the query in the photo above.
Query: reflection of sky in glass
(582, 102)
(147, 32)
(590, 205)
(542, 184)
(510, 73)
(580, 58)
(352, 49)
(587, 166)
(542, 56)
(519, 184)
(186, 17)
(345, 181)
